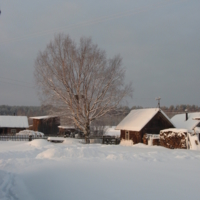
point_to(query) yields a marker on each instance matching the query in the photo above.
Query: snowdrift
(126, 142)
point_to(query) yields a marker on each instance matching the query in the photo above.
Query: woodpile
(173, 139)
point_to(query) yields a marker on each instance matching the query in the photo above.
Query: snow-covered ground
(40, 170)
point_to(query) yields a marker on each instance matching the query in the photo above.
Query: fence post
(30, 137)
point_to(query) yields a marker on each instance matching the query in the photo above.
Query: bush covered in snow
(29, 132)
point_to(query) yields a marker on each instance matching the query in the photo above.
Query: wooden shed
(10, 125)
(143, 121)
(63, 130)
(46, 124)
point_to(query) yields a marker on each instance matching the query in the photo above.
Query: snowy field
(40, 170)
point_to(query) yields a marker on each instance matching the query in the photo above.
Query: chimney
(186, 114)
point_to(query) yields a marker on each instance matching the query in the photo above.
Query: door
(127, 135)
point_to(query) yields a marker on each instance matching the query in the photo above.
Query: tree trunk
(87, 131)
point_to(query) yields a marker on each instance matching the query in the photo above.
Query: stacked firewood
(172, 139)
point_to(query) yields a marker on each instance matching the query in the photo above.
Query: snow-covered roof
(112, 131)
(180, 122)
(13, 121)
(66, 127)
(43, 117)
(138, 118)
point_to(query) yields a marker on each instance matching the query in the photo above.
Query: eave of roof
(43, 117)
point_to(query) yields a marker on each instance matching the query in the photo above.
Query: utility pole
(158, 99)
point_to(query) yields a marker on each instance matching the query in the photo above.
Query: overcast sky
(159, 41)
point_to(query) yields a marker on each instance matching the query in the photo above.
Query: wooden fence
(110, 140)
(19, 138)
(105, 139)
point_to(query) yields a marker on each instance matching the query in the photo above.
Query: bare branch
(79, 81)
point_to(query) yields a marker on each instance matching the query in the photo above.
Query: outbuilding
(143, 121)
(11, 125)
(46, 124)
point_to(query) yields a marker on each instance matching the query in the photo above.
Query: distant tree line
(181, 108)
(111, 119)
(24, 110)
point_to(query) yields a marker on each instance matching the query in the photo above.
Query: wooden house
(143, 121)
(46, 124)
(10, 125)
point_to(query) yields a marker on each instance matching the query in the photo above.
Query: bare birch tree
(80, 81)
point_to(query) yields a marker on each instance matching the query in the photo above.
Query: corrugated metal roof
(138, 118)
(13, 121)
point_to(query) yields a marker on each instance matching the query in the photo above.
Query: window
(127, 135)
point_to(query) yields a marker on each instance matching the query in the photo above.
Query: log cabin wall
(133, 135)
(136, 137)
(122, 135)
(10, 131)
(35, 124)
